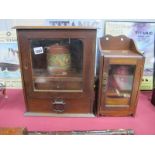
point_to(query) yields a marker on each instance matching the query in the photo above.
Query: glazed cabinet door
(58, 67)
(120, 80)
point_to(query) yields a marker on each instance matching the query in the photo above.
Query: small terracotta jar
(58, 59)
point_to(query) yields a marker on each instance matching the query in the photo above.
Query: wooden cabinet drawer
(78, 106)
(117, 101)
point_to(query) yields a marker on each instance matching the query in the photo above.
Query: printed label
(38, 50)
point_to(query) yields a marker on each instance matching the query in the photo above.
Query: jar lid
(57, 48)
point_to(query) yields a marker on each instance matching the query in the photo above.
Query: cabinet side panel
(20, 47)
(137, 83)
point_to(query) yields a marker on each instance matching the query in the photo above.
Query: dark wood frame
(41, 102)
(105, 60)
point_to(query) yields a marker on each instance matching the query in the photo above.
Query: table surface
(12, 111)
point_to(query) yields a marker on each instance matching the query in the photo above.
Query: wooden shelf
(46, 82)
(113, 93)
(43, 75)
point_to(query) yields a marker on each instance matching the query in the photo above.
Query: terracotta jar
(58, 59)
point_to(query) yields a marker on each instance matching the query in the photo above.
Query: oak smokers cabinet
(57, 66)
(120, 72)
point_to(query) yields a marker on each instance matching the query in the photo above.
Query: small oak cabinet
(120, 72)
(58, 66)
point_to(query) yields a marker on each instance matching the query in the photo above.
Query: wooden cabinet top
(53, 27)
(120, 46)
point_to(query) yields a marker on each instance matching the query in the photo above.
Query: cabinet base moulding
(58, 115)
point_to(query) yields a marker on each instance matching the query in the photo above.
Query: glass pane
(120, 81)
(57, 64)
